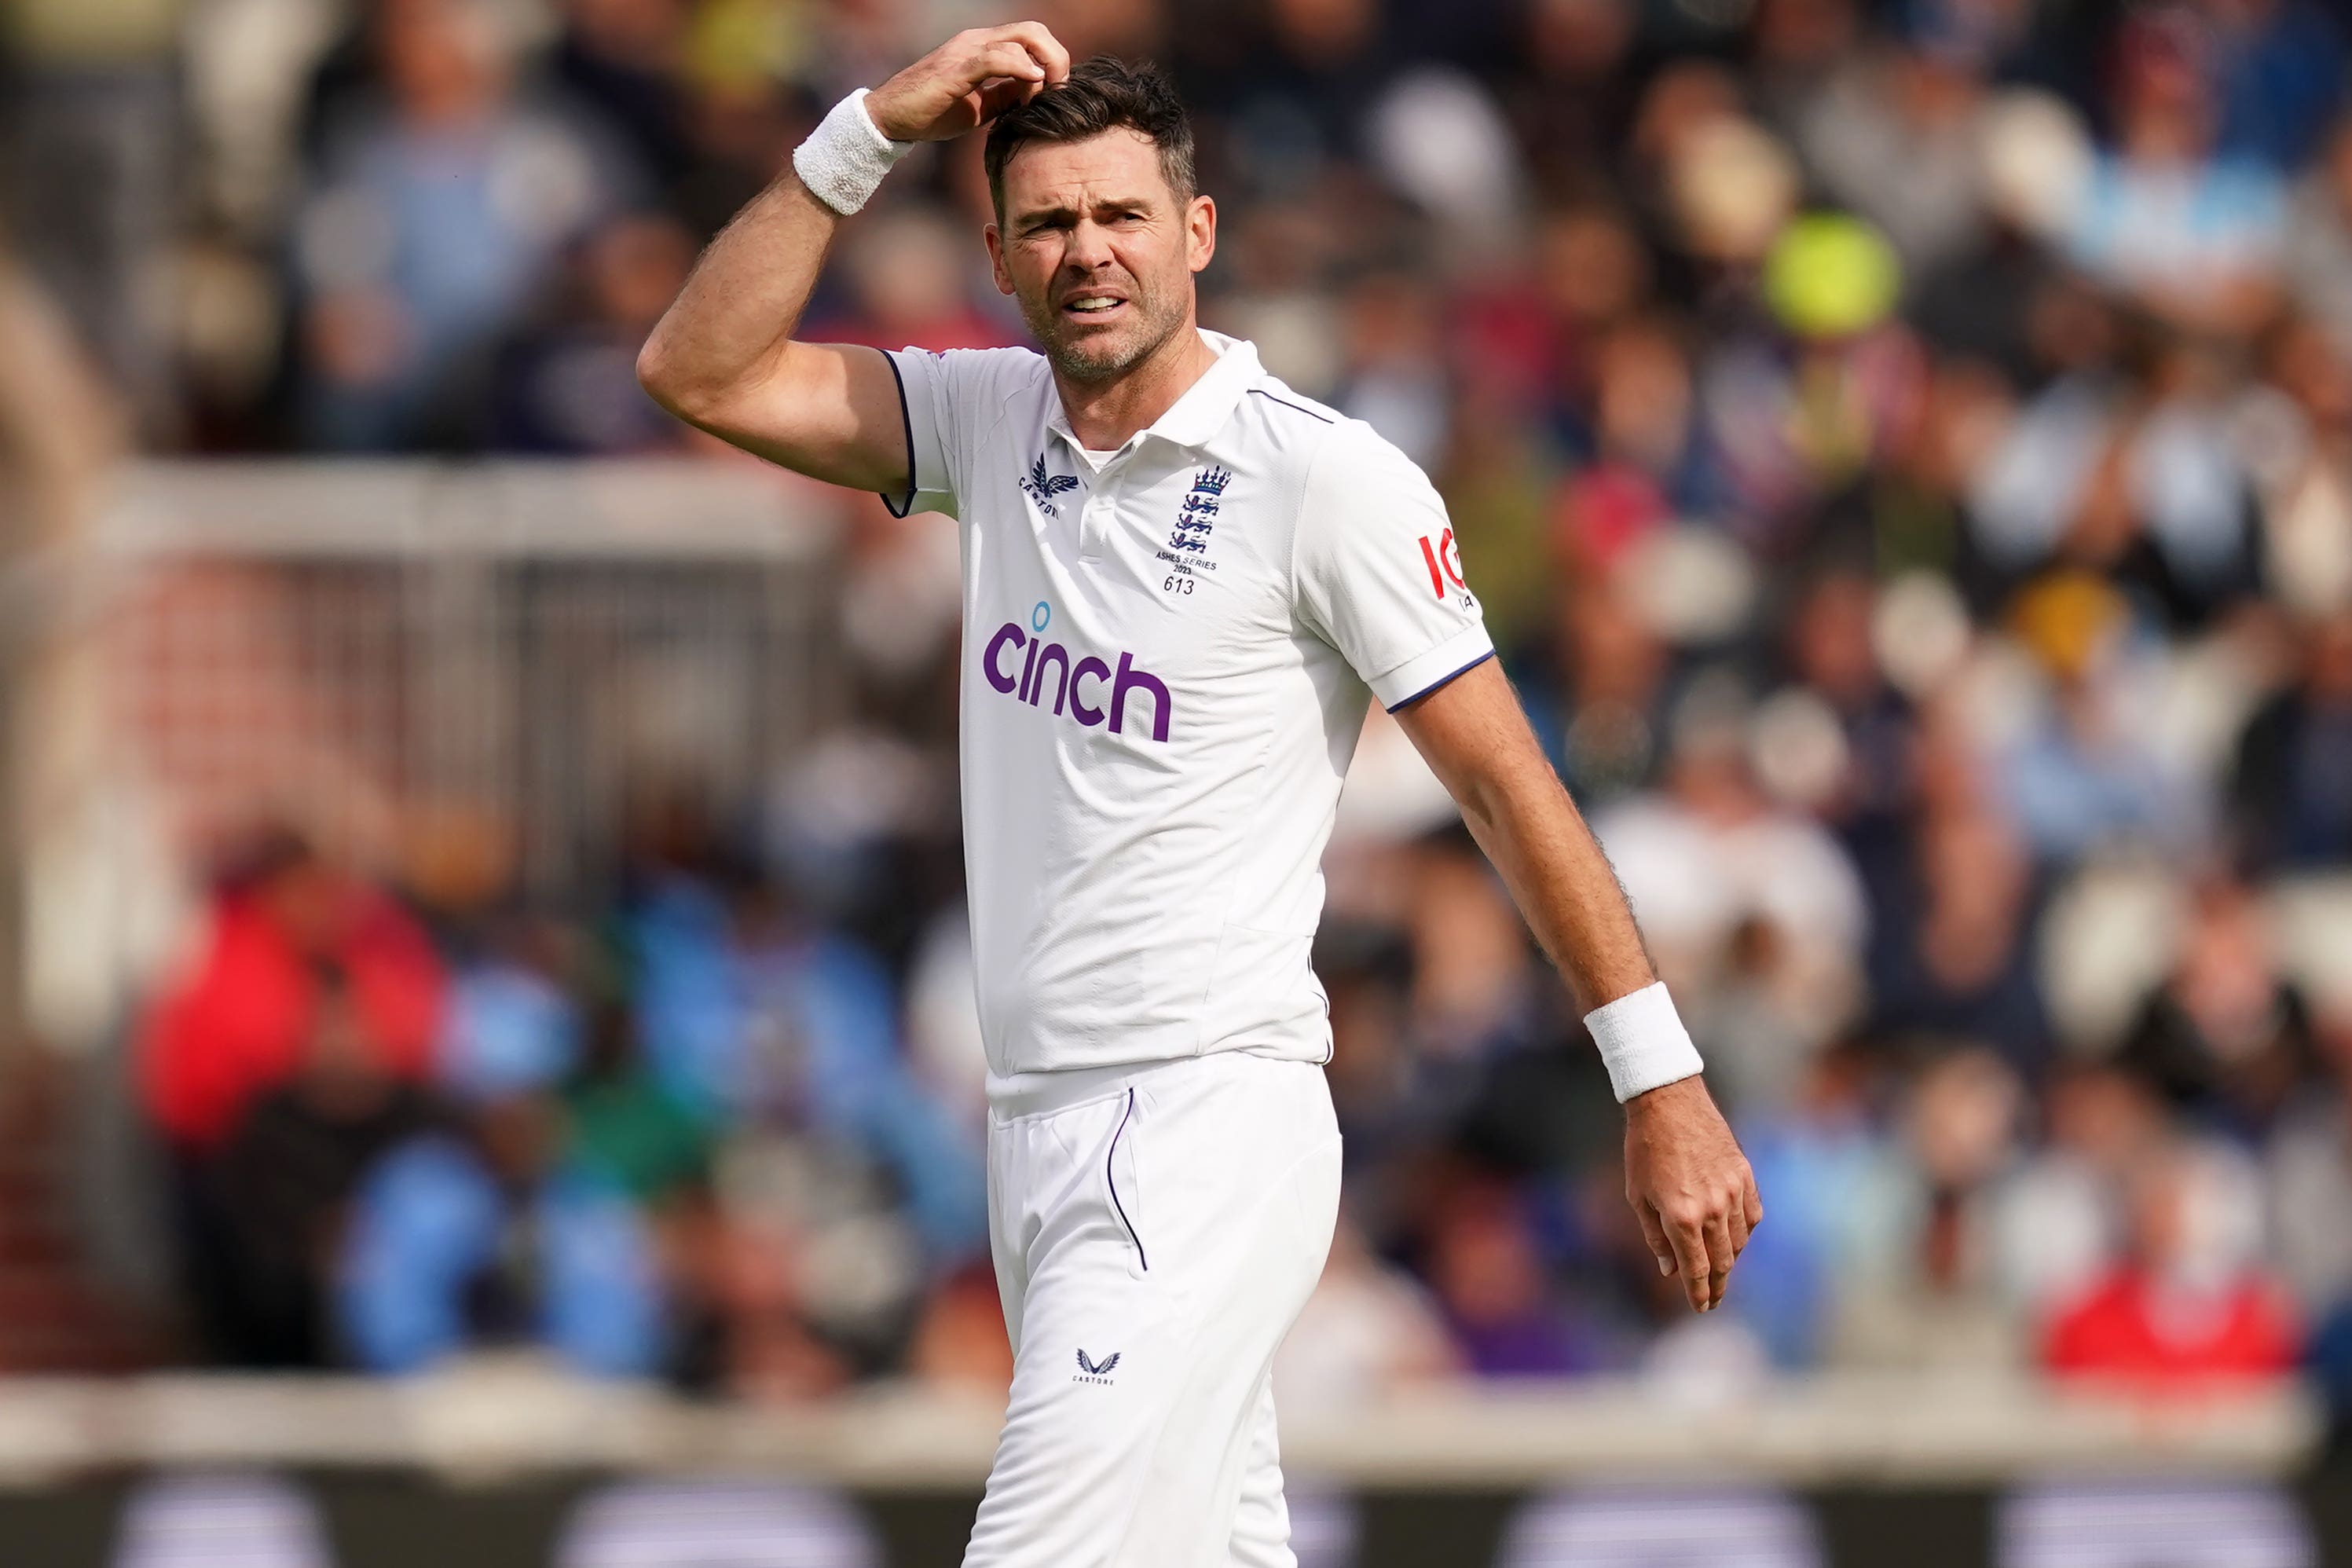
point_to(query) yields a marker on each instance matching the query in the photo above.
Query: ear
(996, 260)
(1200, 232)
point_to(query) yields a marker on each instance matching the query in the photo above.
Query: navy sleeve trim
(1450, 675)
(907, 425)
(1270, 397)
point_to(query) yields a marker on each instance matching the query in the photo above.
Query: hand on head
(968, 82)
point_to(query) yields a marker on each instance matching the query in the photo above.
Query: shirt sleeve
(926, 385)
(1379, 575)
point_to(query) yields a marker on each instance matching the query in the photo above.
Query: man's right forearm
(722, 357)
(731, 325)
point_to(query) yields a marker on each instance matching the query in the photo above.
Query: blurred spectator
(1394, 1100)
(88, 186)
(2225, 1036)
(1499, 1302)
(2329, 1361)
(2281, 76)
(2148, 487)
(296, 959)
(1838, 1203)
(437, 212)
(807, 1273)
(1652, 461)
(489, 1237)
(287, 1171)
(1314, 67)
(2187, 1306)
(824, 1019)
(1570, 96)
(2310, 1173)
(961, 1342)
(2319, 238)
(1440, 140)
(2304, 473)
(2084, 776)
(1710, 852)
(628, 1127)
(2291, 792)
(909, 278)
(2031, 157)
(1936, 1299)
(1597, 697)
(742, 126)
(1833, 654)
(625, 58)
(1474, 976)
(2194, 234)
(2060, 1216)
(1895, 136)
(1395, 378)
(568, 384)
(1953, 898)
(511, 1022)
(238, 1021)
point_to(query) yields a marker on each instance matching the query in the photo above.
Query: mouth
(1093, 305)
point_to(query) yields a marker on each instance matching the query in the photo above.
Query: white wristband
(846, 155)
(1642, 1041)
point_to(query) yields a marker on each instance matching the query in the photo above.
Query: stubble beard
(1102, 357)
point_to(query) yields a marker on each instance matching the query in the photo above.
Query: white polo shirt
(1165, 669)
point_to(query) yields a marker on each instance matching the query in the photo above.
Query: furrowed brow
(1037, 218)
(1032, 218)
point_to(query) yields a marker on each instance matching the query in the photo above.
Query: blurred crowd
(683, 1139)
(1906, 452)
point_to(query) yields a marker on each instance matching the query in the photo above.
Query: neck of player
(1104, 413)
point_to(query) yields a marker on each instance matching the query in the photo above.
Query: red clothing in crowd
(2130, 1328)
(237, 1024)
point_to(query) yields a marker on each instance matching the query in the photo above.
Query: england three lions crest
(1196, 518)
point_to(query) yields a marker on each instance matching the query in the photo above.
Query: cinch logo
(1070, 679)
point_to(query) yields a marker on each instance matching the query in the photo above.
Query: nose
(1089, 247)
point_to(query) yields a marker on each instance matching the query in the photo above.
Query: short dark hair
(1105, 93)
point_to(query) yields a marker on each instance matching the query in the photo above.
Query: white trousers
(1156, 1232)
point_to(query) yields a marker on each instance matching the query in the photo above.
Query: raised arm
(723, 357)
(1684, 1175)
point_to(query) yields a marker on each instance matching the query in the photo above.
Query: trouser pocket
(1123, 1183)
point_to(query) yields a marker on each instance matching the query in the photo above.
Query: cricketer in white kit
(1182, 585)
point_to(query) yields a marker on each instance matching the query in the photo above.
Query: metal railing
(507, 656)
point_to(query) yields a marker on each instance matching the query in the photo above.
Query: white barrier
(498, 1419)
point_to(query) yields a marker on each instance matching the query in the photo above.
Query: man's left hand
(1690, 1187)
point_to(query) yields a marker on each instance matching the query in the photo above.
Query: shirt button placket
(1094, 520)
